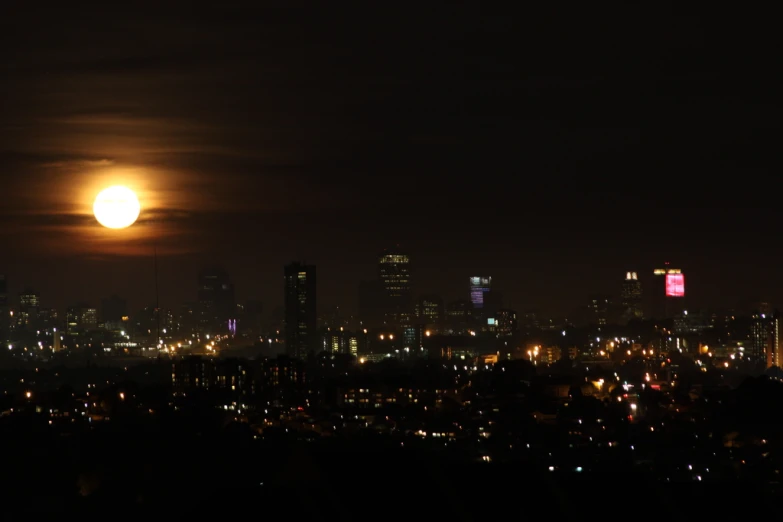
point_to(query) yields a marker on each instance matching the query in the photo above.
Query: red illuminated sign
(675, 285)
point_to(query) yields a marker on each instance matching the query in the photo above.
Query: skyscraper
(631, 296)
(675, 292)
(29, 303)
(670, 295)
(479, 287)
(216, 299)
(301, 336)
(395, 277)
(765, 336)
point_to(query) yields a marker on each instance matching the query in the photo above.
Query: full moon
(116, 207)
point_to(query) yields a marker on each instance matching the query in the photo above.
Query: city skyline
(652, 291)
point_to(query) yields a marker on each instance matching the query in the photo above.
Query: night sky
(550, 150)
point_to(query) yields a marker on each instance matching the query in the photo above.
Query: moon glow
(116, 207)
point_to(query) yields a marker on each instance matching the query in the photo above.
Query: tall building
(216, 299)
(670, 296)
(301, 336)
(675, 292)
(479, 287)
(395, 277)
(29, 304)
(631, 296)
(765, 336)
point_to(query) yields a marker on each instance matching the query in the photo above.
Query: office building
(217, 304)
(631, 296)
(301, 337)
(395, 277)
(765, 336)
(479, 287)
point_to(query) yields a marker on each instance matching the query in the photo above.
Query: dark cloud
(16, 159)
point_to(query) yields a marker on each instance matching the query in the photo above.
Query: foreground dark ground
(132, 448)
(125, 474)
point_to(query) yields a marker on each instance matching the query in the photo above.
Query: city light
(675, 285)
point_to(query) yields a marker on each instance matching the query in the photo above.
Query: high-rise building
(301, 336)
(479, 287)
(216, 299)
(631, 296)
(395, 277)
(765, 336)
(29, 303)
(670, 299)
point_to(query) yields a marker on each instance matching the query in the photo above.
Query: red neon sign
(675, 285)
